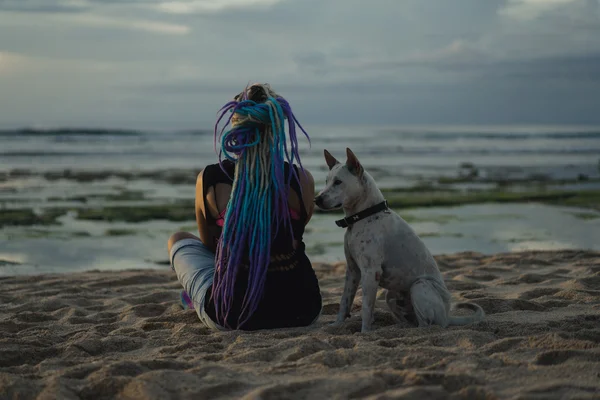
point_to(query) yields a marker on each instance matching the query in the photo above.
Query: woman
(248, 270)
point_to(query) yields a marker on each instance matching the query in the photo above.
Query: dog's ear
(331, 161)
(353, 164)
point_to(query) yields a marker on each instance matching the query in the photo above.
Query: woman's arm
(201, 212)
(307, 182)
(210, 203)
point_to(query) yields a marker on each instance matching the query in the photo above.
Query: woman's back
(214, 189)
(284, 302)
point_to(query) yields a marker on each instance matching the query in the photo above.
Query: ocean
(75, 169)
(405, 153)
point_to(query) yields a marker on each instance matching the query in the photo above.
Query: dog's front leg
(370, 283)
(350, 288)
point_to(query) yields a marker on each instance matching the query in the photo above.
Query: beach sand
(123, 335)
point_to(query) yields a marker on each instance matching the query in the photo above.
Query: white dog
(381, 249)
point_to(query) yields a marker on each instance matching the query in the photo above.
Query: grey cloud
(387, 61)
(125, 2)
(341, 88)
(40, 6)
(564, 67)
(541, 71)
(561, 89)
(541, 30)
(388, 103)
(313, 59)
(455, 56)
(584, 67)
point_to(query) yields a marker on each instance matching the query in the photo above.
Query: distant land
(87, 131)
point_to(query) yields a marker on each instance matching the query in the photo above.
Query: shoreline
(132, 207)
(108, 334)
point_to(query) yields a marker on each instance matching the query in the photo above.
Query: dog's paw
(336, 323)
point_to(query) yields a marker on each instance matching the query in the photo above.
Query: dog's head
(344, 184)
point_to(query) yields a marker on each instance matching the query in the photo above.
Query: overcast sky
(172, 64)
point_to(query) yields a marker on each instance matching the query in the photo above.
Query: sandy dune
(122, 335)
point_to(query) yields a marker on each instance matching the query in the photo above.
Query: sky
(171, 64)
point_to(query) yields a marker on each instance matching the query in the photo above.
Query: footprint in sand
(538, 292)
(146, 310)
(556, 357)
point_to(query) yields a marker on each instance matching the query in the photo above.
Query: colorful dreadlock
(258, 205)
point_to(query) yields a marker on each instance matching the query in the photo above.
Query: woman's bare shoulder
(307, 183)
(306, 179)
(212, 171)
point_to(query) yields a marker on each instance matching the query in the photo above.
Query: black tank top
(291, 296)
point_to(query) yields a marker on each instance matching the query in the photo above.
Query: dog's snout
(319, 201)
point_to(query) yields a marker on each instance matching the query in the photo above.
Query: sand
(122, 335)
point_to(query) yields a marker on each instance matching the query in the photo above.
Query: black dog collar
(346, 222)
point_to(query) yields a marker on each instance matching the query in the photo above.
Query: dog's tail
(469, 319)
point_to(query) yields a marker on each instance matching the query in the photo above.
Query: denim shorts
(194, 265)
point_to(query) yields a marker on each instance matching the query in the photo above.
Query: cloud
(457, 54)
(315, 61)
(381, 61)
(44, 6)
(569, 69)
(131, 24)
(473, 64)
(531, 9)
(10, 63)
(47, 21)
(213, 6)
(23, 65)
(538, 72)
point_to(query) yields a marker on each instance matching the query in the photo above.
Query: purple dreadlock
(258, 206)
